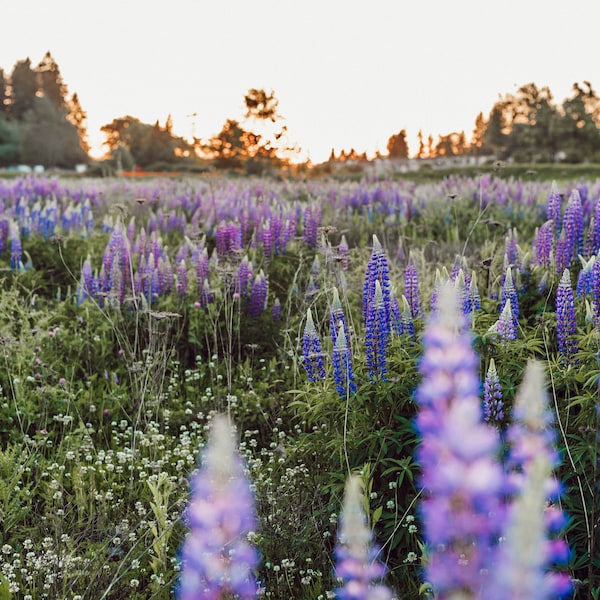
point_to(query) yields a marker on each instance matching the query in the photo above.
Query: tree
(579, 134)
(78, 117)
(261, 105)
(50, 81)
(397, 145)
(10, 136)
(495, 132)
(48, 138)
(421, 151)
(3, 94)
(452, 144)
(478, 136)
(24, 87)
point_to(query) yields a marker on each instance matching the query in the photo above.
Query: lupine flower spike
(357, 567)
(566, 326)
(493, 404)
(311, 350)
(342, 364)
(463, 482)
(527, 551)
(217, 559)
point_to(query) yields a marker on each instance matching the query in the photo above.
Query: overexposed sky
(347, 73)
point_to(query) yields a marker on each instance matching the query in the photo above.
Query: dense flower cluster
(566, 326)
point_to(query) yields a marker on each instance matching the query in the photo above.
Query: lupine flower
(566, 326)
(377, 335)
(357, 567)
(596, 292)
(508, 294)
(312, 218)
(585, 278)
(343, 253)
(596, 228)
(510, 246)
(311, 350)
(86, 284)
(217, 559)
(406, 323)
(377, 270)
(336, 316)
(504, 327)
(243, 278)
(462, 294)
(493, 403)
(526, 552)
(544, 243)
(573, 223)
(342, 364)
(182, 279)
(258, 295)
(439, 280)
(411, 288)
(474, 293)
(276, 310)
(16, 251)
(554, 207)
(463, 482)
(564, 252)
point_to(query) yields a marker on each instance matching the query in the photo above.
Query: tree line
(42, 123)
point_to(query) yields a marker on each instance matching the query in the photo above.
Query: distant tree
(397, 145)
(452, 144)
(78, 117)
(495, 131)
(421, 151)
(50, 81)
(261, 105)
(24, 87)
(10, 138)
(3, 93)
(48, 138)
(478, 136)
(579, 128)
(430, 146)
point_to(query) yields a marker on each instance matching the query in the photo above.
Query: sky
(347, 73)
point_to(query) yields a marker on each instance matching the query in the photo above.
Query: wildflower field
(239, 388)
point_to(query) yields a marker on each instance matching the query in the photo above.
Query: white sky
(347, 73)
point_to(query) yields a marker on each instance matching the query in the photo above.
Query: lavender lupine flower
(474, 293)
(357, 567)
(508, 294)
(504, 327)
(276, 310)
(462, 510)
(312, 218)
(182, 279)
(566, 326)
(343, 373)
(596, 228)
(16, 249)
(462, 294)
(544, 243)
(343, 253)
(440, 279)
(411, 287)
(585, 278)
(258, 295)
(510, 246)
(243, 278)
(526, 552)
(554, 208)
(311, 350)
(377, 335)
(216, 558)
(493, 403)
(596, 292)
(407, 324)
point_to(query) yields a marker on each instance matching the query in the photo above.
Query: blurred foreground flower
(217, 559)
(357, 566)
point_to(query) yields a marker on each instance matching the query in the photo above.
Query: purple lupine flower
(266, 236)
(407, 324)
(462, 512)
(527, 552)
(493, 403)
(585, 278)
(243, 278)
(596, 292)
(276, 310)
(16, 249)
(545, 243)
(312, 218)
(377, 335)
(411, 288)
(573, 223)
(474, 296)
(85, 289)
(554, 208)
(357, 567)
(343, 253)
(508, 294)
(566, 326)
(440, 279)
(510, 247)
(596, 228)
(343, 373)
(258, 295)
(462, 294)
(182, 279)
(216, 558)
(504, 327)
(311, 350)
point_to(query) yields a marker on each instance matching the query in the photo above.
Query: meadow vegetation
(132, 313)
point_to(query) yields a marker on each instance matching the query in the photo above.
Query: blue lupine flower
(493, 403)
(566, 326)
(585, 278)
(544, 243)
(16, 249)
(258, 295)
(311, 350)
(377, 270)
(216, 558)
(509, 294)
(357, 566)
(377, 335)
(343, 373)
(464, 485)
(573, 224)
(411, 288)
(276, 310)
